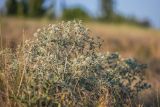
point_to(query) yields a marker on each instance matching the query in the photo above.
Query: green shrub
(62, 66)
(75, 13)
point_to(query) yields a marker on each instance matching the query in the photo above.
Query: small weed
(62, 66)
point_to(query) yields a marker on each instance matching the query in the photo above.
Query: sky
(141, 9)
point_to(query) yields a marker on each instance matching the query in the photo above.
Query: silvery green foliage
(62, 66)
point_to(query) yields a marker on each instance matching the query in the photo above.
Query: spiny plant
(62, 67)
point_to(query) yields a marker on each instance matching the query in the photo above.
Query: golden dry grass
(129, 41)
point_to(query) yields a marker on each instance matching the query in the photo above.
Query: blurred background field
(128, 35)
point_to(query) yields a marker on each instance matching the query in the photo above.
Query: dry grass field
(129, 41)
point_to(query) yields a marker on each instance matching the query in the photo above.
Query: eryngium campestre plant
(62, 67)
